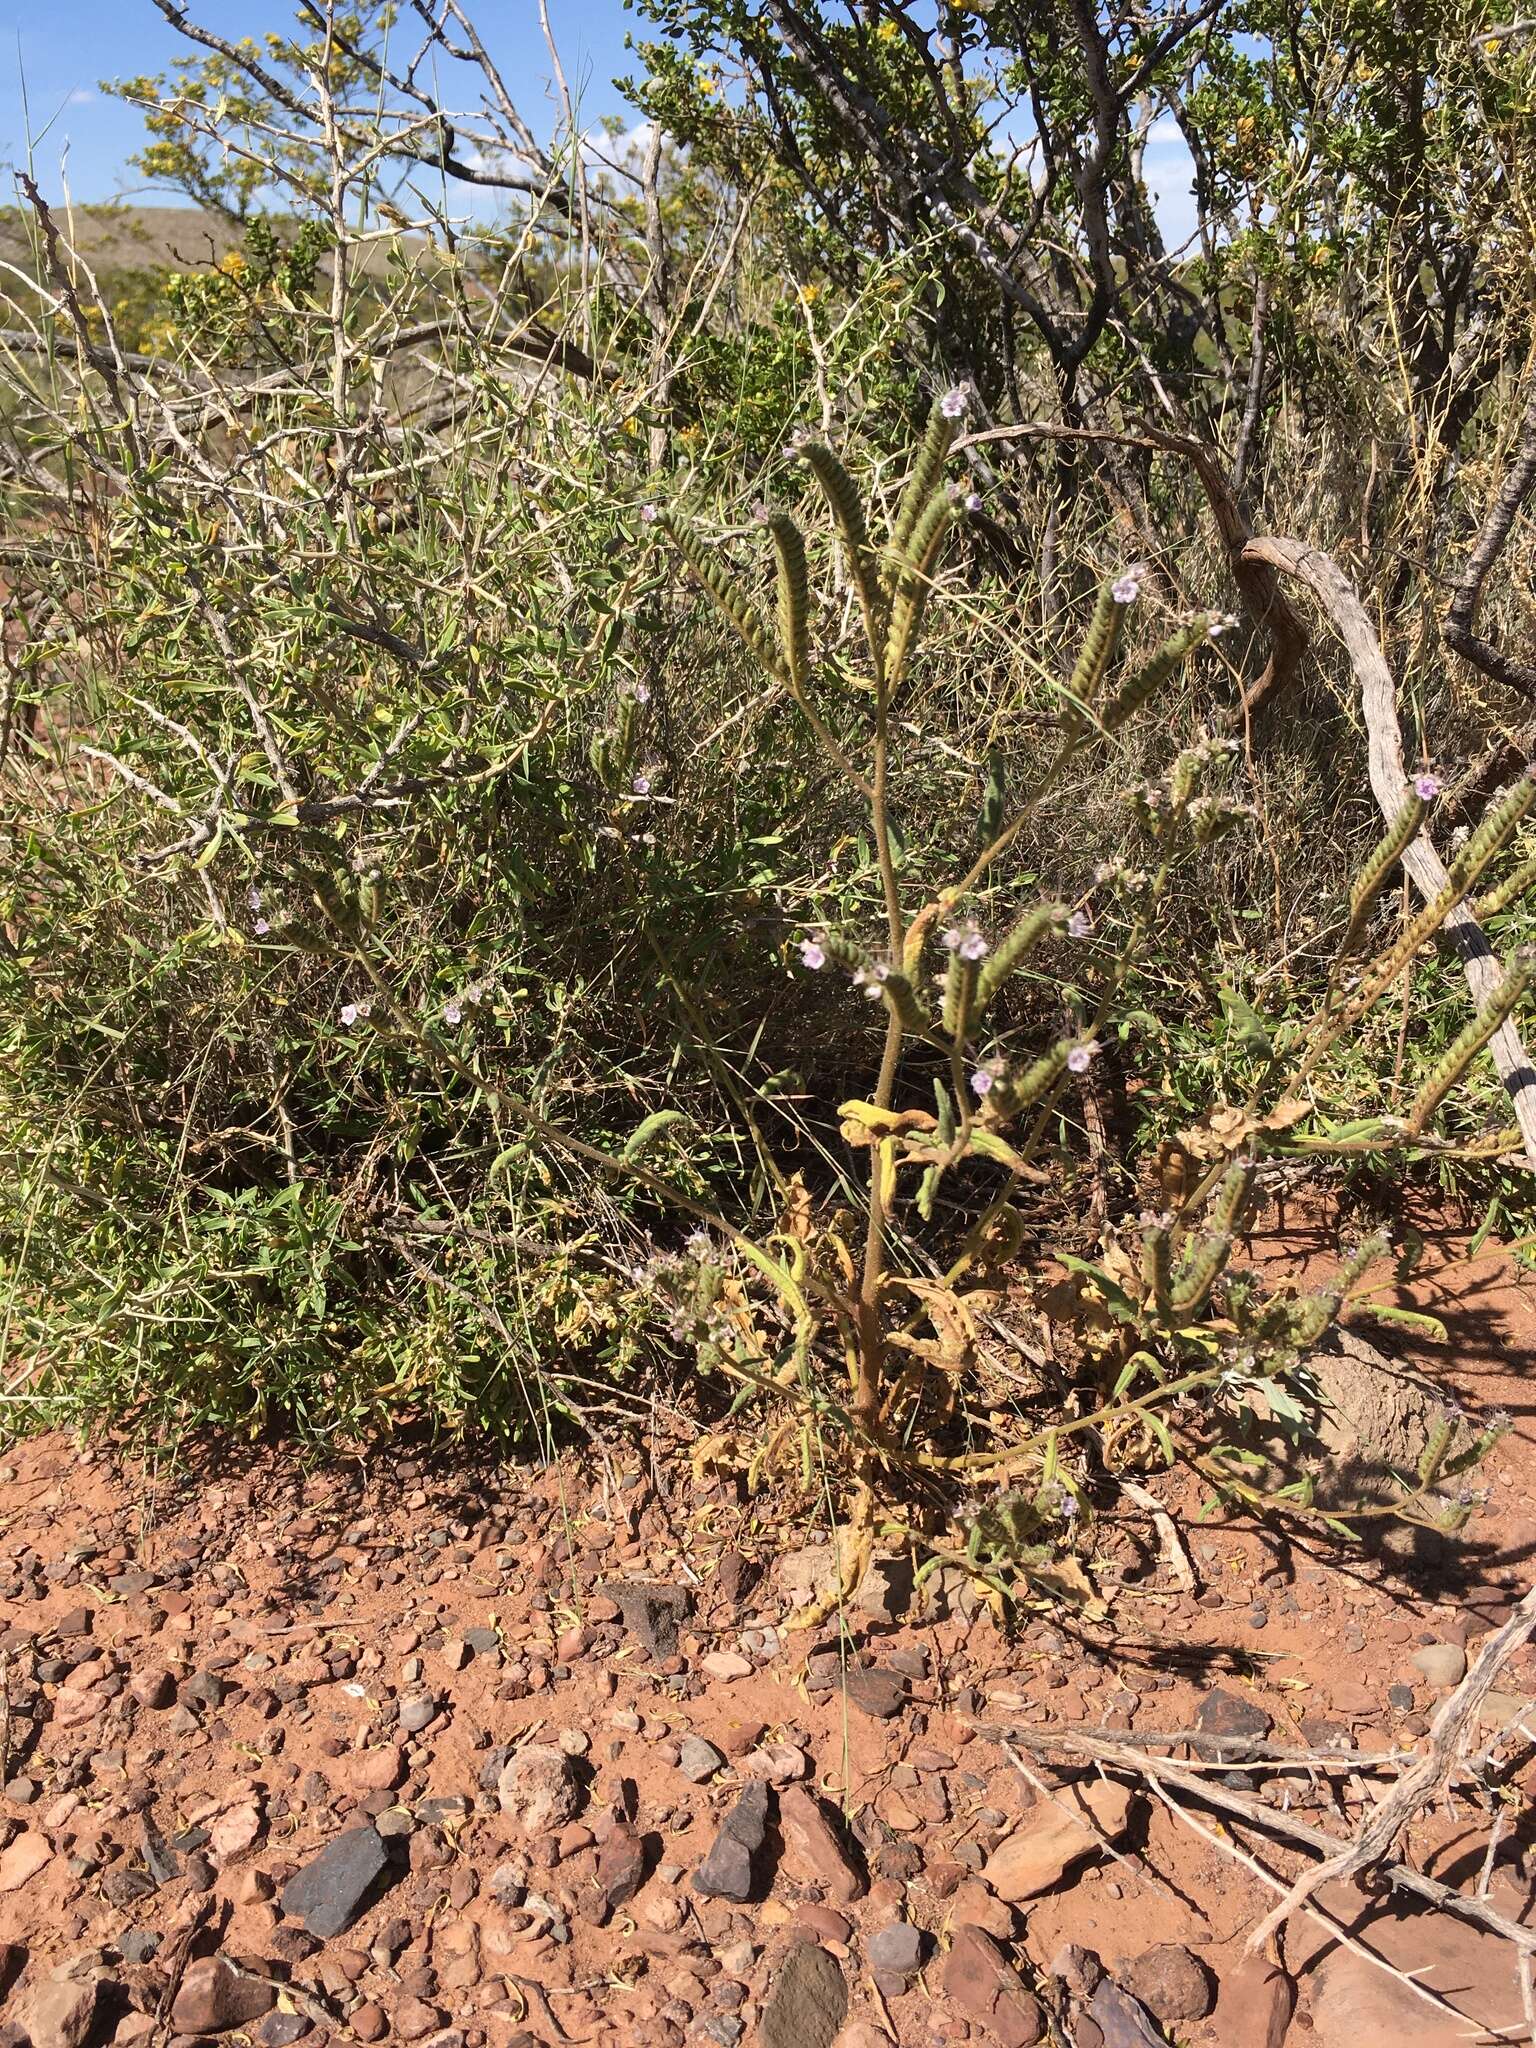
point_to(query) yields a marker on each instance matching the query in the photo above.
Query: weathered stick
(1389, 784)
(1417, 1787)
(1094, 1746)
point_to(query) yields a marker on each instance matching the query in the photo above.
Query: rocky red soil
(425, 1748)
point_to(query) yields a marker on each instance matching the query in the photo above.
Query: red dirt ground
(221, 1657)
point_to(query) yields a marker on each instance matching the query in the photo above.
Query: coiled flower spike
(1155, 671)
(1469, 1042)
(1383, 857)
(1116, 595)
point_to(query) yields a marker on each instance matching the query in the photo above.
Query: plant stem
(871, 1375)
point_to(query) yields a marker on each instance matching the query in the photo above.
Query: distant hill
(129, 237)
(119, 238)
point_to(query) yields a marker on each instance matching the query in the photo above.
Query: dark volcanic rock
(651, 1613)
(726, 1872)
(329, 1893)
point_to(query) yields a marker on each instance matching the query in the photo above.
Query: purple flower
(952, 405)
(261, 927)
(253, 897)
(650, 514)
(1080, 1058)
(965, 940)
(1079, 925)
(812, 953)
(973, 501)
(1426, 787)
(640, 692)
(641, 785)
(349, 1014)
(982, 1082)
(453, 1011)
(1127, 588)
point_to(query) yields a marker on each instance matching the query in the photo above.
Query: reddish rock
(367, 2021)
(415, 2019)
(974, 1906)
(979, 1979)
(377, 1770)
(823, 1924)
(62, 2010)
(1058, 1832)
(813, 1851)
(537, 1788)
(21, 1862)
(1171, 1983)
(1254, 2008)
(620, 1868)
(235, 1830)
(216, 1995)
(879, 1693)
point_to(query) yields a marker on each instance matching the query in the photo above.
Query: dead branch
(1093, 1745)
(1417, 1787)
(1265, 602)
(1459, 626)
(1389, 784)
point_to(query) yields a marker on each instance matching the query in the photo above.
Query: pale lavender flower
(1080, 1058)
(650, 514)
(870, 979)
(253, 897)
(1426, 787)
(1079, 925)
(952, 405)
(965, 940)
(973, 501)
(812, 954)
(1127, 588)
(261, 927)
(641, 785)
(983, 1082)
(349, 1014)
(453, 1011)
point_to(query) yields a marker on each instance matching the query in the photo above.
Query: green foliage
(474, 952)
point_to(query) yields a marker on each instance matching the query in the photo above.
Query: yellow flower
(809, 294)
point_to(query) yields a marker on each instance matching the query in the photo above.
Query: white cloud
(624, 153)
(82, 96)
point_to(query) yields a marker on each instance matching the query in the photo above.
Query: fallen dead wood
(1093, 1746)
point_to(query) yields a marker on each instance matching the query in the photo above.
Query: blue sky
(60, 52)
(54, 57)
